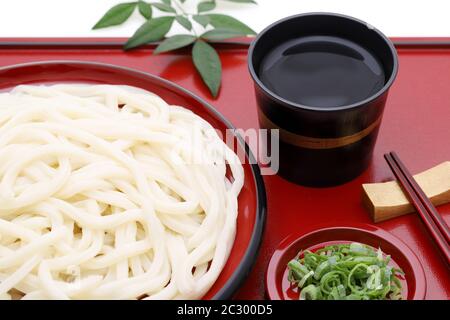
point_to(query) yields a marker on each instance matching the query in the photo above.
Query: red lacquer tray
(416, 124)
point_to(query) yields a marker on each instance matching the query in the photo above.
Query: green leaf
(184, 22)
(207, 63)
(242, 1)
(116, 15)
(166, 2)
(221, 34)
(202, 20)
(153, 30)
(164, 7)
(206, 6)
(175, 42)
(227, 22)
(145, 9)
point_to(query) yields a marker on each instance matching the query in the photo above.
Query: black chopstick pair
(432, 220)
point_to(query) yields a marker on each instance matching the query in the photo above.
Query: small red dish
(279, 288)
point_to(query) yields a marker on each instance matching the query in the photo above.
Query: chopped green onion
(321, 269)
(345, 272)
(310, 292)
(302, 282)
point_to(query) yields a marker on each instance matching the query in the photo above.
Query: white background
(74, 18)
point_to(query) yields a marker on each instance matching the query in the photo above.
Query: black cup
(322, 147)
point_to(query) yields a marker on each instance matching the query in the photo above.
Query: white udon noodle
(100, 198)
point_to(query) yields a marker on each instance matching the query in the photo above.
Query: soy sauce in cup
(322, 80)
(322, 71)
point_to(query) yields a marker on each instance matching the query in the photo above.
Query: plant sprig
(215, 27)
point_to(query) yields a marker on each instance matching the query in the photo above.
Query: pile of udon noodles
(100, 197)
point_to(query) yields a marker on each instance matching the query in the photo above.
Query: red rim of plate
(408, 260)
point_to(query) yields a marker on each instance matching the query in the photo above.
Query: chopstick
(441, 224)
(434, 223)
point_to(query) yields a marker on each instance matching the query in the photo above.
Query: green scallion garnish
(345, 272)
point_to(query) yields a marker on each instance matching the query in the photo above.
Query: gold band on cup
(316, 143)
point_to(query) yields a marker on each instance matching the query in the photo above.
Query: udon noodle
(102, 196)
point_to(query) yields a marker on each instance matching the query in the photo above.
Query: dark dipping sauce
(322, 71)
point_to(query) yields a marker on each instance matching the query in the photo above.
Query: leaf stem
(180, 7)
(184, 13)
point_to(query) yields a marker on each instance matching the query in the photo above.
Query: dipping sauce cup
(326, 96)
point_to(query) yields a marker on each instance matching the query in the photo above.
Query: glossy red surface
(278, 287)
(415, 125)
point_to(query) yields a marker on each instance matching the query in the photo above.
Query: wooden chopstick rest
(386, 200)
